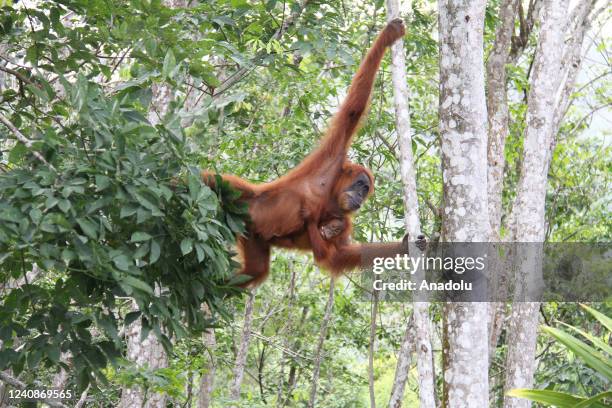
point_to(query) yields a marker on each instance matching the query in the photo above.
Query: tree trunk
(497, 104)
(146, 353)
(584, 15)
(371, 350)
(497, 118)
(319, 351)
(207, 380)
(150, 351)
(243, 348)
(413, 226)
(402, 369)
(62, 377)
(463, 132)
(284, 330)
(528, 222)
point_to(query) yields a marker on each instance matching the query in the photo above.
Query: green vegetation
(111, 211)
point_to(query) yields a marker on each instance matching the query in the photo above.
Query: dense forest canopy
(109, 109)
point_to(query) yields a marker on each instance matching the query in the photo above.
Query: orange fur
(289, 211)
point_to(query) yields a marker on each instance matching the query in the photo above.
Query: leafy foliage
(123, 217)
(596, 357)
(118, 216)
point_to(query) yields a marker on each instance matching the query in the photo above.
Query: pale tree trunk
(584, 14)
(463, 131)
(413, 226)
(554, 73)
(402, 369)
(207, 380)
(528, 208)
(283, 332)
(149, 352)
(143, 353)
(243, 348)
(319, 352)
(497, 104)
(497, 118)
(62, 377)
(371, 350)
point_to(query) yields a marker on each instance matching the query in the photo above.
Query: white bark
(283, 332)
(149, 352)
(61, 378)
(144, 353)
(528, 217)
(371, 350)
(413, 226)
(584, 15)
(319, 351)
(402, 369)
(207, 381)
(243, 348)
(497, 118)
(528, 210)
(463, 131)
(497, 104)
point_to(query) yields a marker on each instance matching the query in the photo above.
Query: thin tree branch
(589, 115)
(18, 75)
(245, 70)
(7, 379)
(21, 137)
(83, 399)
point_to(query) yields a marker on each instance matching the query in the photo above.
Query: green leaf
(593, 401)
(234, 224)
(122, 262)
(199, 252)
(88, 227)
(64, 205)
(169, 64)
(155, 252)
(108, 324)
(102, 182)
(51, 202)
(239, 279)
(137, 284)
(17, 152)
(127, 210)
(588, 354)
(598, 342)
(270, 4)
(53, 352)
(603, 319)
(39, 93)
(140, 236)
(131, 317)
(186, 246)
(558, 399)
